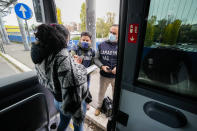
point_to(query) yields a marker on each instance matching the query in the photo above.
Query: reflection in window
(169, 57)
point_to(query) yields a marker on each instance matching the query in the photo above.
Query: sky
(70, 10)
(185, 10)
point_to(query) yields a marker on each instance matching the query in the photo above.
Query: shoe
(97, 112)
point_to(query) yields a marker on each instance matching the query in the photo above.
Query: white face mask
(112, 37)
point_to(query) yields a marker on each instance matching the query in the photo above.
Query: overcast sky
(184, 10)
(70, 10)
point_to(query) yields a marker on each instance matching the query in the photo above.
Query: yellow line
(71, 126)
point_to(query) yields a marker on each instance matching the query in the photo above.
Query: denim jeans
(65, 119)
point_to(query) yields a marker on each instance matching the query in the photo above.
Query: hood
(38, 54)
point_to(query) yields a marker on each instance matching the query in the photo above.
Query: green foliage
(76, 38)
(103, 25)
(83, 17)
(160, 28)
(175, 31)
(192, 36)
(150, 31)
(110, 18)
(100, 28)
(186, 34)
(171, 32)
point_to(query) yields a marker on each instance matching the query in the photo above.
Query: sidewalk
(17, 51)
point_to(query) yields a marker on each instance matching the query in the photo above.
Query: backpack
(107, 106)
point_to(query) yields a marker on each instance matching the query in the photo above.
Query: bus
(156, 80)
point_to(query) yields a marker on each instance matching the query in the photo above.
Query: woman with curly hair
(61, 74)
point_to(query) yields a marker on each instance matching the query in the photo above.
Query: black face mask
(38, 53)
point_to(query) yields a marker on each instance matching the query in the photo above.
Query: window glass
(15, 53)
(169, 57)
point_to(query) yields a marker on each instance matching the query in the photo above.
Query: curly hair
(52, 36)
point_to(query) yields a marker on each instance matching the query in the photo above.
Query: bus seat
(16, 88)
(29, 114)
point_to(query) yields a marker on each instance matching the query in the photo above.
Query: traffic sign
(23, 11)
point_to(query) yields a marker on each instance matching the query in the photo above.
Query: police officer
(106, 59)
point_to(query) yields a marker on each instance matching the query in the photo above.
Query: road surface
(7, 69)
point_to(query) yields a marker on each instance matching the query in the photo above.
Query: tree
(100, 28)
(110, 18)
(159, 30)
(175, 31)
(192, 36)
(83, 17)
(171, 32)
(76, 38)
(187, 35)
(150, 31)
(109, 22)
(167, 33)
(103, 25)
(183, 34)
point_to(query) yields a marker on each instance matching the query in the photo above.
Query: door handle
(164, 114)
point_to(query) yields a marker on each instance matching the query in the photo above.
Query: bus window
(170, 47)
(16, 37)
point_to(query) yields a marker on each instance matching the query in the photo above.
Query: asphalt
(7, 69)
(16, 52)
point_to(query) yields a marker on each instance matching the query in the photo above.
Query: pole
(2, 34)
(23, 33)
(29, 40)
(3, 31)
(91, 20)
(2, 48)
(2, 38)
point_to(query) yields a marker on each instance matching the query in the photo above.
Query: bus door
(156, 83)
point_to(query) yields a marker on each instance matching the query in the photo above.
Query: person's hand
(76, 56)
(114, 71)
(78, 59)
(105, 68)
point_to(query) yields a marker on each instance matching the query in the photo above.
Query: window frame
(181, 101)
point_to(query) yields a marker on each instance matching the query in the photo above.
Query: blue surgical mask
(84, 45)
(112, 37)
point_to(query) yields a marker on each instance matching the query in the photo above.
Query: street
(7, 69)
